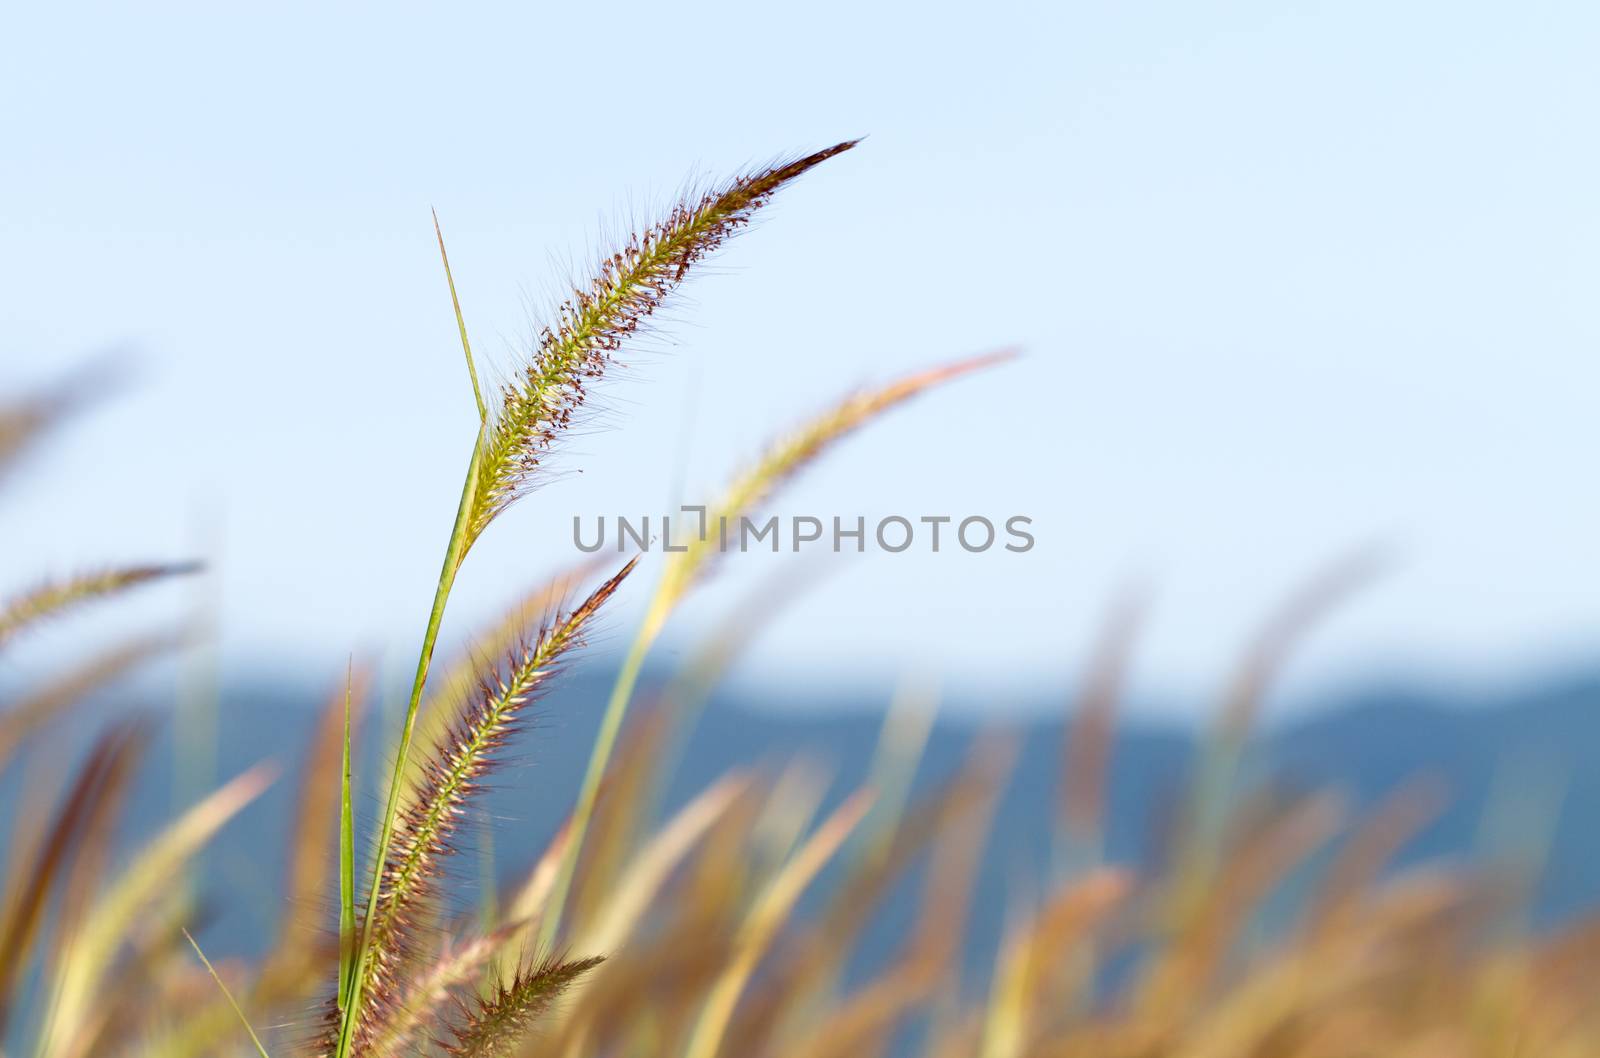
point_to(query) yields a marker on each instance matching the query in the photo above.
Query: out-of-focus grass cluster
(730, 926)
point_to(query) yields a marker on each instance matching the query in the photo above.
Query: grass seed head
(591, 326)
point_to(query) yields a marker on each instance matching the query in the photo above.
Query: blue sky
(1288, 278)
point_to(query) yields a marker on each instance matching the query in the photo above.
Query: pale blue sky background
(1289, 277)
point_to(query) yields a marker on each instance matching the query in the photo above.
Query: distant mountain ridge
(1366, 746)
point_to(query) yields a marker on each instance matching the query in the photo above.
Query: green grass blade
(454, 553)
(599, 756)
(227, 995)
(347, 864)
(461, 323)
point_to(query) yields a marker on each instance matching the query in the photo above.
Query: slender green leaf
(454, 553)
(234, 1003)
(461, 323)
(347, 863)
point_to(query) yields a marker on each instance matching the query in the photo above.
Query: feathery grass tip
(629, 285)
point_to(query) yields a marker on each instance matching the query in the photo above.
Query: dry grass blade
(861, 1023)
(767, 917)
(122, 997)
(39, 707)
(98, 784)
(1394, 822)
(1209, 909)
(435, 805)
(889, 840)
(1297, 615)
(55, 597)
(1022, 984)
(87, 958)
(92, 864)
(311, 862)
(643, 878)
(1087, 752)
(629, 286)
(782, 461)
(1209, 803)
(24, 422)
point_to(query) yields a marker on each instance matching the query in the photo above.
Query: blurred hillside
(1520, 770)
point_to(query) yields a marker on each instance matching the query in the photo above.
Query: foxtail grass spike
(496, 1025)
(56, 597)
(628, 287)
(431, 989)
(436, 805)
